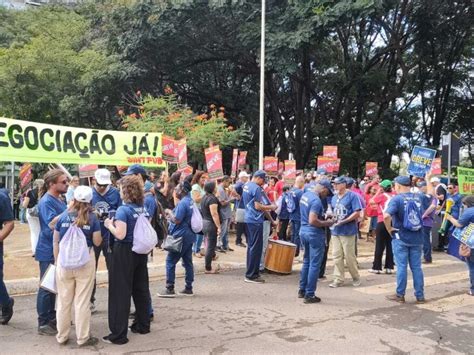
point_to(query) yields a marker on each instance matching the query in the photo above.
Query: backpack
(73, 249)
(159, 222)
(196, 220)
(279, 203)
(412, 216)
(290, 203)
(144, 235)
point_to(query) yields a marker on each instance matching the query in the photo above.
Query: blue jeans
(197, 243)
(408, 255)
(187, 256)
(314, 248)
(470, 265)
(46, 301)
(295, 234)
(427, 243)
(254, 249)
(4, 296)
(225, 224)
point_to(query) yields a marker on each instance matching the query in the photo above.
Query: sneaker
(186, 292)
(301, 293)
(220, 250)
(335, 284)
(47, 330)
(356, 282)
(92, 341)
(396, 298)
(64, 343)
(242, 245)
(212, 271)
(313, 299)
(198, 255)
(7, 312)
(421, 300)
(470, 293)
(167, 293)
(389, 271)
(372, 271)
(134, 328)
(229, 249)
(257, 280)
(427, 261)
(107, 340)
(93, 309)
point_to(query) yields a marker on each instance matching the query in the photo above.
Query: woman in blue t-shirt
(128, 272)
(466, 218)
(75, 285)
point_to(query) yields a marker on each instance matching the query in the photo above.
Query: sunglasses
(99, 185)
(64, 182)
(450, 187)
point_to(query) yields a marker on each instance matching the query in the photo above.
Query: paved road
(230, 316)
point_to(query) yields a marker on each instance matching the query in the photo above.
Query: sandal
(212, 271)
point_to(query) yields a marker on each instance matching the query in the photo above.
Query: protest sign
(87, 171)
(465, 235)
(43, 143)
(371, 168)
(281, 167)
(235, 157)
(336, 166)
(330, 151)
(420, 161)
(326, 163)
(270, 165)
(169, 150)
(289, 175)
(214, 162)
(182, 153)
(242, 160)
(436, 166)
(188, 170)
(26, 174)
(466, 181)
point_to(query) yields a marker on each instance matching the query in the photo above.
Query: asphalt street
(229, 316)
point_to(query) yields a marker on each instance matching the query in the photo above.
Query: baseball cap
(421, 183)
(148, 186)
(102, 176)
(260, 174)
(83, 194)
(135, 169)
(403, 180)
(386, 183)
(435, 179)
(340, 180)
(327, 184)
(349, 181)
(321, 171)
(243, 174)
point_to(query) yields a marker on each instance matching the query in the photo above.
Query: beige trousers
(75, 286)
(343, 247)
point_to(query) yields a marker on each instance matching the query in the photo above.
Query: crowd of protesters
(316, 210)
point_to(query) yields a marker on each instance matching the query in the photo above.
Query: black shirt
(206, 202)
(33, 196)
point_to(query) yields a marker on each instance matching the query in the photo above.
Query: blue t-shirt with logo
(183, 212)
(129, 213)
(343, 207)
(396, 209)
(296, 194)
(150, 204)
(284, 214)
(49, 208)
(109, 202)
(457, 198)
(310, 202)
(252, 193)
(64, 222)
(239, 188)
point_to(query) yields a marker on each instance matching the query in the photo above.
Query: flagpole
(262, 89)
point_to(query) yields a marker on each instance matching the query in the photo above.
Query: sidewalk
(21, 270)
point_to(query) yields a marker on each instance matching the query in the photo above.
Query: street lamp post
(262, 90)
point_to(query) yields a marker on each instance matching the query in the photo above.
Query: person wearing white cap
(105, 201)
(75, 284)
(240, 208)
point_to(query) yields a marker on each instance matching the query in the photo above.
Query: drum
(279, 256)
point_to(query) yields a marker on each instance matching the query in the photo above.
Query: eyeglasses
(100, 185)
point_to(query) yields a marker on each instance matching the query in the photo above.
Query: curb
(155, 272)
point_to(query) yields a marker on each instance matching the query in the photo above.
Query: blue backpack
(412, 216)
(290, 203)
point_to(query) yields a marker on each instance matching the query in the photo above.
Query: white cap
(83, 194)
(102, 176)
(435, 179)
(243, 174)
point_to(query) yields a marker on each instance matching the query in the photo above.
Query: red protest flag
(326, 163)
(182, 154)
(26, 174)
(289, 175)
(214, 162)
(436, 167)
(242, 159)
(235, 158)
(270, 165)
(169, 148)
(371, 168)
(330, 151)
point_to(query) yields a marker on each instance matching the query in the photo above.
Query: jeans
(408, 255)
(427, 243)
(322, 269)
(254, 249)
(197, 243)
(22, 215)
(470, 264)
(4, 297)
(225, 225)
(45, 301)
(295, 235)
(187, 256)
(314, 247)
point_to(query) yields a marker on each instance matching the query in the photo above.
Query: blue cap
(403, 180)
(340, 180)
(148, 186)
(321, 171)
(327, 184)
(135, 169)
(421, 184)
(349, 181)
(260, 174)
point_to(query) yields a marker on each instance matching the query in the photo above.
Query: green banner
(24, 141)
(466, 181)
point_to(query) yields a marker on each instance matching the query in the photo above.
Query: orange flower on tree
(180, 132)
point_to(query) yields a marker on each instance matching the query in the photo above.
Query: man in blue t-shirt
(294, 209)
(313, 238)
(346, 207)
(240, 208)
(7, 223)
(50, 207)
(406, 241)
(254, 217)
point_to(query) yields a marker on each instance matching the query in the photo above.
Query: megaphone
(449, 206)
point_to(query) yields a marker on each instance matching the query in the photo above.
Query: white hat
(435, 179)
(102, 176)
(83, 194)
(243, 174)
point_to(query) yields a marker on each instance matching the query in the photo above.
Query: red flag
(371, 168)
(326, 163)
(235, 158)
(330, 151)
(182, 154)
(289, 175)
(270, 165)
(169, 149)
(26, 174)
(214, 162)
(242, 159)
(436, 166)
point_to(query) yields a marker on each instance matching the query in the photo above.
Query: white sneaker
(388, 271)
(356, 283)
(335, 284)
(372, 271)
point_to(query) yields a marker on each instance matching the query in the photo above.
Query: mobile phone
(112, 214)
